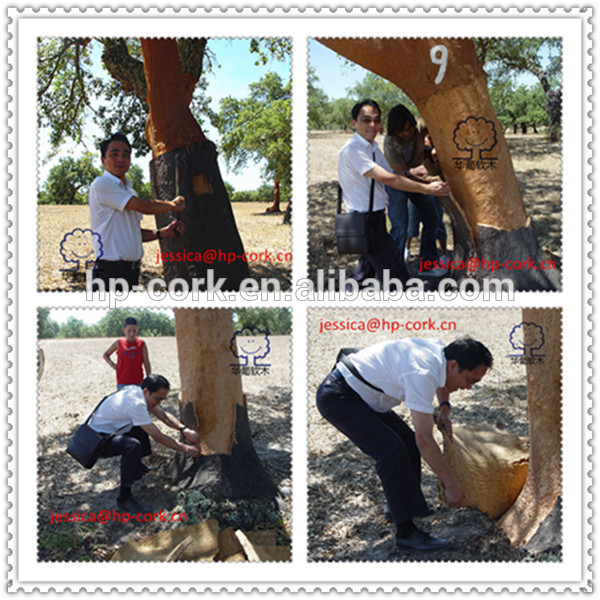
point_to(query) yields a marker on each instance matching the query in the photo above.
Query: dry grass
(537, 164)
(259, 231)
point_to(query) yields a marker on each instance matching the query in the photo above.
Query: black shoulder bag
(87, 443)
(352, 228)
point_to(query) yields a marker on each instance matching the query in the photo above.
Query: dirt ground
(259, 231)
(64, 486)
(537, 164)
(346, 519)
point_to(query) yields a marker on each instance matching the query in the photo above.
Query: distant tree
(136, 176)
(47, 327)
(507, 57)
(522, 107)
(318, 103)
(385, 93)
(150, 322)
(275, 321)
(73, 328)
(69, 180)
(259, 127)
(340, 114)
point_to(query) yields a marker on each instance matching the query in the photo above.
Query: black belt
(131, 264)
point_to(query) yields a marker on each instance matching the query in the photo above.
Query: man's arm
(155, 207)
(443, 421)
(170, 421)
(107, 355)
(154, 432)
(172, 230)
(430, 451)
(400, 182)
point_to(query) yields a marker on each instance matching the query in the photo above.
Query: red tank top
(130, 361)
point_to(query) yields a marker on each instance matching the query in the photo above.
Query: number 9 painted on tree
(439, 56)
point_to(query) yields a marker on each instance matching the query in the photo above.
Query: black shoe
(421, 541)
(132, 506)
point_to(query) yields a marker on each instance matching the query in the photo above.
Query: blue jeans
(398, 213)
(414, 219)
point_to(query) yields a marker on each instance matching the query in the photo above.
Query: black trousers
(384, 255)
(383, 436)
(131, 447)
(105, 270)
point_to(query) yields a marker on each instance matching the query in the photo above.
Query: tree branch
(123, 67)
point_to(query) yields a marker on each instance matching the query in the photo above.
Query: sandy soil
(346, 521)
(65, 486)
(537, 164)
(259, 231)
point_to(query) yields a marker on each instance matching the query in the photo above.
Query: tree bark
(185, 163)
(538, 499)
(212, 402)
(275, 206)
(445, 80)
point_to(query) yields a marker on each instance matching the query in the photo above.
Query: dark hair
(468, 353)
(397, 119)
(130, 321)
(368, 102)
(115, 137)
(154, 382)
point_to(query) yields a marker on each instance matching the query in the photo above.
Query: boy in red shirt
(132, 355)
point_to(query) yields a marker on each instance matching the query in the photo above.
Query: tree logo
(473, 137)
(77, 245)
(250, 345)
(526, 338)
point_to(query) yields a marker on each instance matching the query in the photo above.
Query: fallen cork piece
(204, 542)
(490, 465)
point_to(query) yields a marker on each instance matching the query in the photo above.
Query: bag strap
(371, 194)
(348, 364)
(95, 409)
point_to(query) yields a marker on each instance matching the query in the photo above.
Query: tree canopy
(259, 128)
(69, 180)
(72, 89)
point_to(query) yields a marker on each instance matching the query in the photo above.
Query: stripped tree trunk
(212, 402)
(445, 80)
(185, 162)
(538, 499)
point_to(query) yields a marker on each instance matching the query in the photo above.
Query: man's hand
(444, 423)
(173, 229)
(191, 435)
(455, 495)
(178, 203)
(438, 188)
(192, 451)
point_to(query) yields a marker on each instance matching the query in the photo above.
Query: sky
(233, 72)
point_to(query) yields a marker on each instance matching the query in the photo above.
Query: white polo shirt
(409, 370)
(121, 411)
(355, 159)
(119, 229)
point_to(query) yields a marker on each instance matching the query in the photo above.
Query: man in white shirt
(361, 163)
(125, 417)
(357, 398)
(115, 215)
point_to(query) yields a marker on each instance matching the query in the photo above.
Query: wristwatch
(445, 403)
(158, 234)
(182, 428)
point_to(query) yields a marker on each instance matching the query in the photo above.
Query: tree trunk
(275, 206)
(211, 401)
(185, 162)
(536, 505)
(446, 81)
(523, 128)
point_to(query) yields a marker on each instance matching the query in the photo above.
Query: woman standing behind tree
(404, 150)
